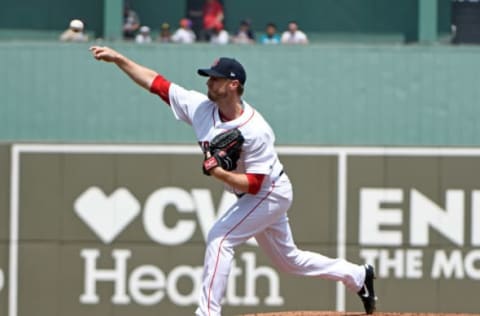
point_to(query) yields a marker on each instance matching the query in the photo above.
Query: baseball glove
(224, 151)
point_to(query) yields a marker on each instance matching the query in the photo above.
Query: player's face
(218, 88)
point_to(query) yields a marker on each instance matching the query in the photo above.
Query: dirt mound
(327, 313)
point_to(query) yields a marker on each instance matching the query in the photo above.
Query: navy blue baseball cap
(225, 68)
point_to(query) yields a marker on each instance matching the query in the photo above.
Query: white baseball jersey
(258, 155)
(263, 215)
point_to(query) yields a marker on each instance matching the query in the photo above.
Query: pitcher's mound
(327, 313)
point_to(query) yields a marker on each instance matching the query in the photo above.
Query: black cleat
(367, 292)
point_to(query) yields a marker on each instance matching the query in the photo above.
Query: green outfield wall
(316, 94)
(394, 19)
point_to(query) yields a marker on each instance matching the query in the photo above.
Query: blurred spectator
(131, 23)
(293, 35)
(271, 36)
(219, 36)
(212, 17)
(143, 37)
(244, 34)
(195, 15)
(184, 34)
(74, 33)
(164, 36)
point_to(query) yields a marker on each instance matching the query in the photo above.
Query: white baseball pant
(264, 216)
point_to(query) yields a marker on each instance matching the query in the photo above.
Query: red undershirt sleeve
(160, 86)
(255, 181)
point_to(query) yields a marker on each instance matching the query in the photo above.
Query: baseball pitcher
(238, 147)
